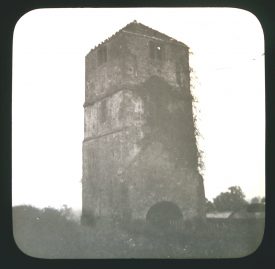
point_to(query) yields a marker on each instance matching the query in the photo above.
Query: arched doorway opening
(163, 213)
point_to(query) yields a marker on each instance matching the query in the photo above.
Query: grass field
(49, 234)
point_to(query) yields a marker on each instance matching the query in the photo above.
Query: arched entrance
(163, 213)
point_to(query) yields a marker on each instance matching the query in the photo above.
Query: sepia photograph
(138, 133)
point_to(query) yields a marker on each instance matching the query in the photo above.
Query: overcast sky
(49, 49)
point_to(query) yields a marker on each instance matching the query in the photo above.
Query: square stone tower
(139, 149)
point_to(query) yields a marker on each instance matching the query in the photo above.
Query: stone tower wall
(139, 145)
(129, 63)
(108, 148)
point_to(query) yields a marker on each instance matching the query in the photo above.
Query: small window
(102, 55)
(156, 51)
(103, 112)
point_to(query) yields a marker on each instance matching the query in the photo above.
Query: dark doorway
(163, 213)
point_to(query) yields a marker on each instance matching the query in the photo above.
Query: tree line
(234, 200)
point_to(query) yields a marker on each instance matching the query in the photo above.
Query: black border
(11, 256)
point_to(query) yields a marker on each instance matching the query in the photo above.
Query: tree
(209, 206)
(232, 200)
(67, 212)
(257, 204)
(255, 200)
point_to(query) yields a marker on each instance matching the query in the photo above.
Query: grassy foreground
(50, 234)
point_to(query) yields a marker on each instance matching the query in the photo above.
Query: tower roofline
(137, 28)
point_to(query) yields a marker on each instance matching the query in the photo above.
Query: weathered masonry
(139, 149)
